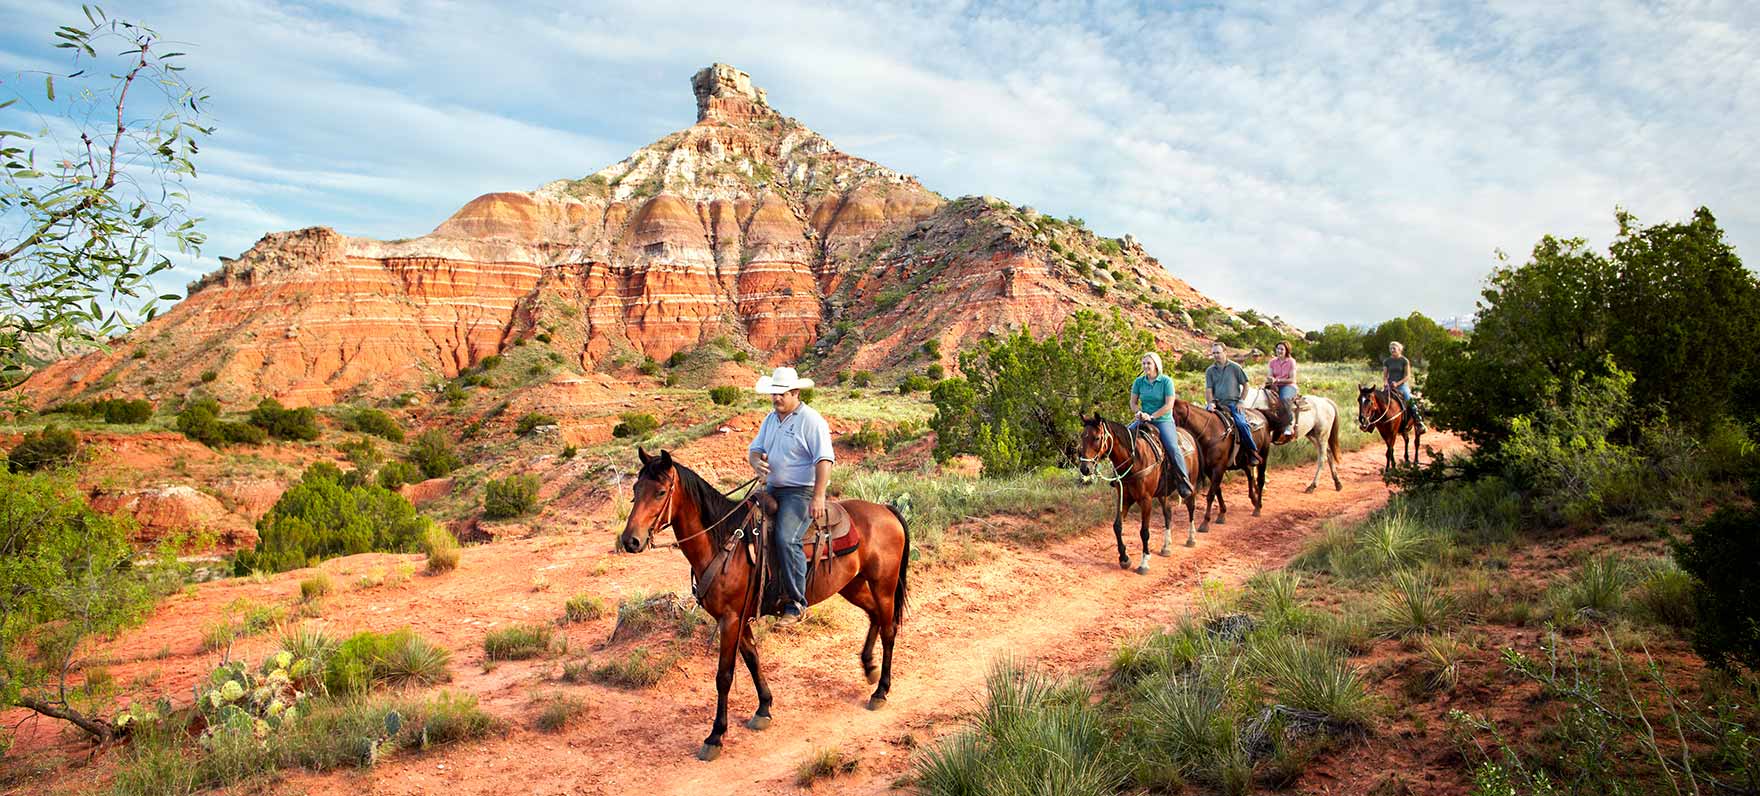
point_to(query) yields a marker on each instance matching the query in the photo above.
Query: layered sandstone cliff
(746, 226)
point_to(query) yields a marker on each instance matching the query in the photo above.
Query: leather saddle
(834, 537)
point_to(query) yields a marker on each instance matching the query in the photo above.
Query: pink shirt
(1283, 370)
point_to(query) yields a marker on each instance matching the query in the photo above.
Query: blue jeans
(1288, 394)
(794, 506)
(1240, 422)
(1405, 391)
(1170, 443)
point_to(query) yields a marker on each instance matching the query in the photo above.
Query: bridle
(663, 518)
(1387, 406)
(1107, 446)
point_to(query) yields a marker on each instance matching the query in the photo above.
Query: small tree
(87, 214)
(512, 496)
(50, 447)
(724, 395)
(433, 453)
(66, 577)
(635, 425)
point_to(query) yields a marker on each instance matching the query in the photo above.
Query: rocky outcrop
(164, 511)
(746, 227)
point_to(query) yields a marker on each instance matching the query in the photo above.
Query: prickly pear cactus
(239, 699)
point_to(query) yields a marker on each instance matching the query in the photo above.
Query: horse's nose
(630, 544)
(1087, 479)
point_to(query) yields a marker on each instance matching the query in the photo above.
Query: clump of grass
(218, 635)
(1309, 677)
(824, 764)
(309, 643)
(397, 658)
(640, 668)
(1035, 734)
(557, 710)
(582, 608)
(1413, 604)
(1273, 597)
(413, 660)
(576, 671)
(441, 548)
(1392, 541)
(1599, 585)
(1348, 630)
(314, 587)
(1329, 551)
(1665, 596)
(640, 613)
(1440, 659)
(517, 643)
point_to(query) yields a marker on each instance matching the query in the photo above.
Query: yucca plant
(1310, 677)
(413, 660)
(1414, 604)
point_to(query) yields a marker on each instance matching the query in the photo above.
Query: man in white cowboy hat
(792, 453)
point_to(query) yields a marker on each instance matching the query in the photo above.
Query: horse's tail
(1332, 445)
(904, 570)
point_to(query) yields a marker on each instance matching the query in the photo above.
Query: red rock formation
(745, 226)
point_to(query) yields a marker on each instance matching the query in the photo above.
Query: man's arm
(756, 456)
(821, 480)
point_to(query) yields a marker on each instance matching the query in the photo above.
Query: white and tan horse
(1318, 421)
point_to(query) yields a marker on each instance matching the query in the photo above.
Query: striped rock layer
(746, 226)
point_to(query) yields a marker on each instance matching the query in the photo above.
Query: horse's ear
(665, 458)
(643, 455)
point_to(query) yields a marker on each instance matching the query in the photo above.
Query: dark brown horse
(710, 530)
(1137, 477)
(1219, 451)
(1381, 410)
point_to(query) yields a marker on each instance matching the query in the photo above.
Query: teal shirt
(1153, 395)
(1225, 382)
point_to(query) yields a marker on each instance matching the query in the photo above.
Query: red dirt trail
(1065, 605)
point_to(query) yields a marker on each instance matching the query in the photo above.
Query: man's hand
(819, 510)
(761, 465)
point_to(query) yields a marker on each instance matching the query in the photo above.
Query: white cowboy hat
(780, 381)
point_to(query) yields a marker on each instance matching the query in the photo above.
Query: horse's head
(1368, 407)
(652, 505)
(1095, 443)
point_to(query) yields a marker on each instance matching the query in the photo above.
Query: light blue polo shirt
(795, 444)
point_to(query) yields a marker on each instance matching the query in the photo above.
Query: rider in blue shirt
(1226, 382)
(1152, 401)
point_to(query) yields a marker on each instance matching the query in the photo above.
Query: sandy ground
(1065, 606)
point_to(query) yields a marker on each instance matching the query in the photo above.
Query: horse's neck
(696, 545)
(1124, 444)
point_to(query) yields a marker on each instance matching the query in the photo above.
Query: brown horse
(1219, 451)
(1138, 480)
(1381, 410)
(711, 531)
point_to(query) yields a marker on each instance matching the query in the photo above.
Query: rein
(1387, 408)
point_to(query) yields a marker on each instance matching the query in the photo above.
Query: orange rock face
(745, 227)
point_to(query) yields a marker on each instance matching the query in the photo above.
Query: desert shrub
(1022, 397)
(364, 455)
(867, 438)
(282, 423)
(1191, 362)
(1563, 455)
(489, 362)
(1599, 585)
(935, 372)
(209, 376)
(400, 657)
(648, 367)
(1665, 595)
(890, 297)
(517, 642)
(320, 517)
(862, 378)
(374, 421)
(453, 393)
(635, 425)
(314, 587)
(530, 421)
(109, 410)
(513, 496)
(725, 395)
(441, 547)
(49, 447)
(1722, 554)
(432, 452)
(931, 348)
(677, 358)
(395, 474)
(739, 356)
(914, 383)
(808, 394)
(568, 452)
(583, 608)
(824, 764)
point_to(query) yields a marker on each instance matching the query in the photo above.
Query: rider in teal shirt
(1152, 397)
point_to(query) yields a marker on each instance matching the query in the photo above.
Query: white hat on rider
(780, 381)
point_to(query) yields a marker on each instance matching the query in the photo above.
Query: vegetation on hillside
(324, 515)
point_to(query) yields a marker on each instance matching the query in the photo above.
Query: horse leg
(1222, 499)
(1320, 462)
(1209, 502)
(1124, 558)
(1259, 494)
(730, 633)
(1191, 520)
(885, 596)
(859, 595)
(1143, 508)
(748, 651)
(1166, 527)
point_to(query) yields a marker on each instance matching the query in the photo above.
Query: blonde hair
(1399, 345)
(1155, 358)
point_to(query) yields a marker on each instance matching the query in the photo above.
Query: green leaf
(49, 86)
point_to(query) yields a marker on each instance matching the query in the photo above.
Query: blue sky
(1321, 161)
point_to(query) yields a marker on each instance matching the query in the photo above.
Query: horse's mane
(711, 504)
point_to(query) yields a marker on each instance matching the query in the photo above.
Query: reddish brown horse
(1381, 410)
(1221, 451)
(1137, 472)
(711, 531)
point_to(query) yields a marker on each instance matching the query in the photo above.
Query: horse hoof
(873, 676)
(1221, 520)
(709, 752)
(1203, 529)
(1255, 512)
(1309, 489)
(1166, 550)
(876, 703)
(1124, 563)
(759, 723)
(1191, 543)
(1338, 487)
(1142, 570)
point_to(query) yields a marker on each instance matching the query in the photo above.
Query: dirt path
(1065, 605)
